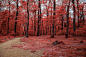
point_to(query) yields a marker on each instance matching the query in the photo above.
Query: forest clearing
(42, 28)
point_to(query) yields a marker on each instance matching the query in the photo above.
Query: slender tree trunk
(34, 23)
(74, 15)
(16, 18)
(24, 31)
(78, 13)
(38, 25)
(52, 33)
(62, 18)
(47, 21)
(55, 30)
(50, 18)
(28, 20)
(39, 18)
(67, 19)
(83, 15)
(8, 18)
(42, 27)
(50, 29)
(62, 23)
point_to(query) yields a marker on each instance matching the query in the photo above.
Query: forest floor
(41, 46)
(6, 49)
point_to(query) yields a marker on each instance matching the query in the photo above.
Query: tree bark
(78, 13)
(55, 29)
(74, 15)
(67, 20)
(39, 19)
(83, 15)
(46, 22)
(28, 20)
(62, 23)
(34, 23)
(8, 18)
(38, 24)
(16, 18)
(52, 33)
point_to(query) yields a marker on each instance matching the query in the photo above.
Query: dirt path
(6, 50)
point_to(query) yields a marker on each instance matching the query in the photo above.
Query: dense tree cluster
(42, 17)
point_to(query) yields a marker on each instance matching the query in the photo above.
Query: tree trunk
(39, 18)
(74, 15)
(38, 25)
(67, 20)
(62, 23)
(16, 18)
(55, 30)
(62, 18)
(28, 20)
(8, 18)
(78, 13)
(47, 21)
(52, 33)
(83, 15)
(42, 27)
(34, 23)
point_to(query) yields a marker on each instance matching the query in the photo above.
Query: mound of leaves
(81, 32)
(5, 38)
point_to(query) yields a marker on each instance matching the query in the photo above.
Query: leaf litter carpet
(6, 49)
(69, 47)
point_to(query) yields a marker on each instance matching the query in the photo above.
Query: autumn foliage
(22, 15)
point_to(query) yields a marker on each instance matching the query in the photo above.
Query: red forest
(46, 28)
